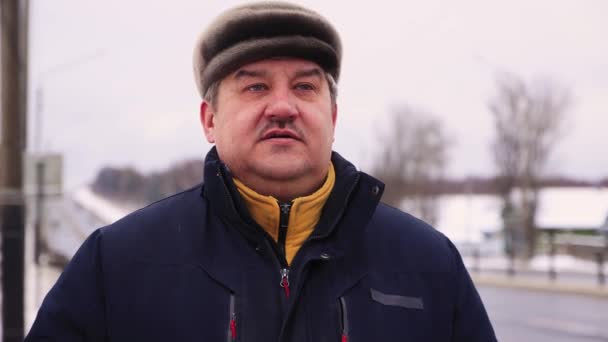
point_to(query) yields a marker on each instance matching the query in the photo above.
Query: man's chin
(281, 170)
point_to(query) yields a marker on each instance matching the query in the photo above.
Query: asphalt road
(522, 316)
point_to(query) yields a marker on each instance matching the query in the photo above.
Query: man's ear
(207, 121)
(334, 117)
(334, 114)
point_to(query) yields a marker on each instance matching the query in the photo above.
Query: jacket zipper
(285, 281)
(343, 319)
(284, 210)
(282, 261)
(280, 258)
(232, 319)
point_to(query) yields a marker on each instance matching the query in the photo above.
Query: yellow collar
(303, 217)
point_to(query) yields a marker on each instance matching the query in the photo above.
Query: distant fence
(564, 257)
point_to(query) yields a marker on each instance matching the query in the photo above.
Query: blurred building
(475, 221)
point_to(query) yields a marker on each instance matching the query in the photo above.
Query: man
(285, 240)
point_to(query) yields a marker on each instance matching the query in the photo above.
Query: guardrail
(567, 261)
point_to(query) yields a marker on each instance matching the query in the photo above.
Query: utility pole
(13, 73)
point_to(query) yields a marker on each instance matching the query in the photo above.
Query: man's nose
(282, 105)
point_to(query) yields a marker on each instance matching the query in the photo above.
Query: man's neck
(284, 190)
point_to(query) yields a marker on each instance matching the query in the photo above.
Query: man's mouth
(280, 134)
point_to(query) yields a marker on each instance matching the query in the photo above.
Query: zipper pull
(285, 207)
(344, 319)
(233, 327)
(285, 281)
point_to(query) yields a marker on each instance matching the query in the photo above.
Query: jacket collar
(351, 187)
(339, 235)
(224, 198)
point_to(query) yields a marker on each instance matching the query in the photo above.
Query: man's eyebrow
(242, 73)
(309, 72)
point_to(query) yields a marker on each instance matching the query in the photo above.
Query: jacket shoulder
(156, 227)
(159, 211)
(408, 242)
(410, 252)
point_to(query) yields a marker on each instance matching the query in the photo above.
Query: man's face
(274, 120)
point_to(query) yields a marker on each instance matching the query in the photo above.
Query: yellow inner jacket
(303, 217)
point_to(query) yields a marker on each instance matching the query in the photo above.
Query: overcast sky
(118, 87)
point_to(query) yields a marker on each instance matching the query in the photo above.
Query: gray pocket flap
(395, 300)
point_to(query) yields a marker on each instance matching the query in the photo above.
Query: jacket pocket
(343, 320)
(232, 322)
(396, 300)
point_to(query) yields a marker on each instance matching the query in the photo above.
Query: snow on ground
(573, 207)
(465, 218)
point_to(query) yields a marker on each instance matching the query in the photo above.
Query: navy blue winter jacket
(196, 267)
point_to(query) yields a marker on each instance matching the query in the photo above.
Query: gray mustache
(282, 124)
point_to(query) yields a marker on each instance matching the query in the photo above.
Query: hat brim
(253, 50)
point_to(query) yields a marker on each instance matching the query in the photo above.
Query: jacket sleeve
(73, 310)
(471, 322)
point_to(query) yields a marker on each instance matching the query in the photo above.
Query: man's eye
(304, 86)
(257, 87)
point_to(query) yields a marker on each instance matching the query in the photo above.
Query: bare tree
(528, 120)
(412, 158)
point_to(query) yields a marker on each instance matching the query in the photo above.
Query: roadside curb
(539, 285)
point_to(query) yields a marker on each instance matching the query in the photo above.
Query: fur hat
(257, 31)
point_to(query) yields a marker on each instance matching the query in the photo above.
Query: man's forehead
(267, 67)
